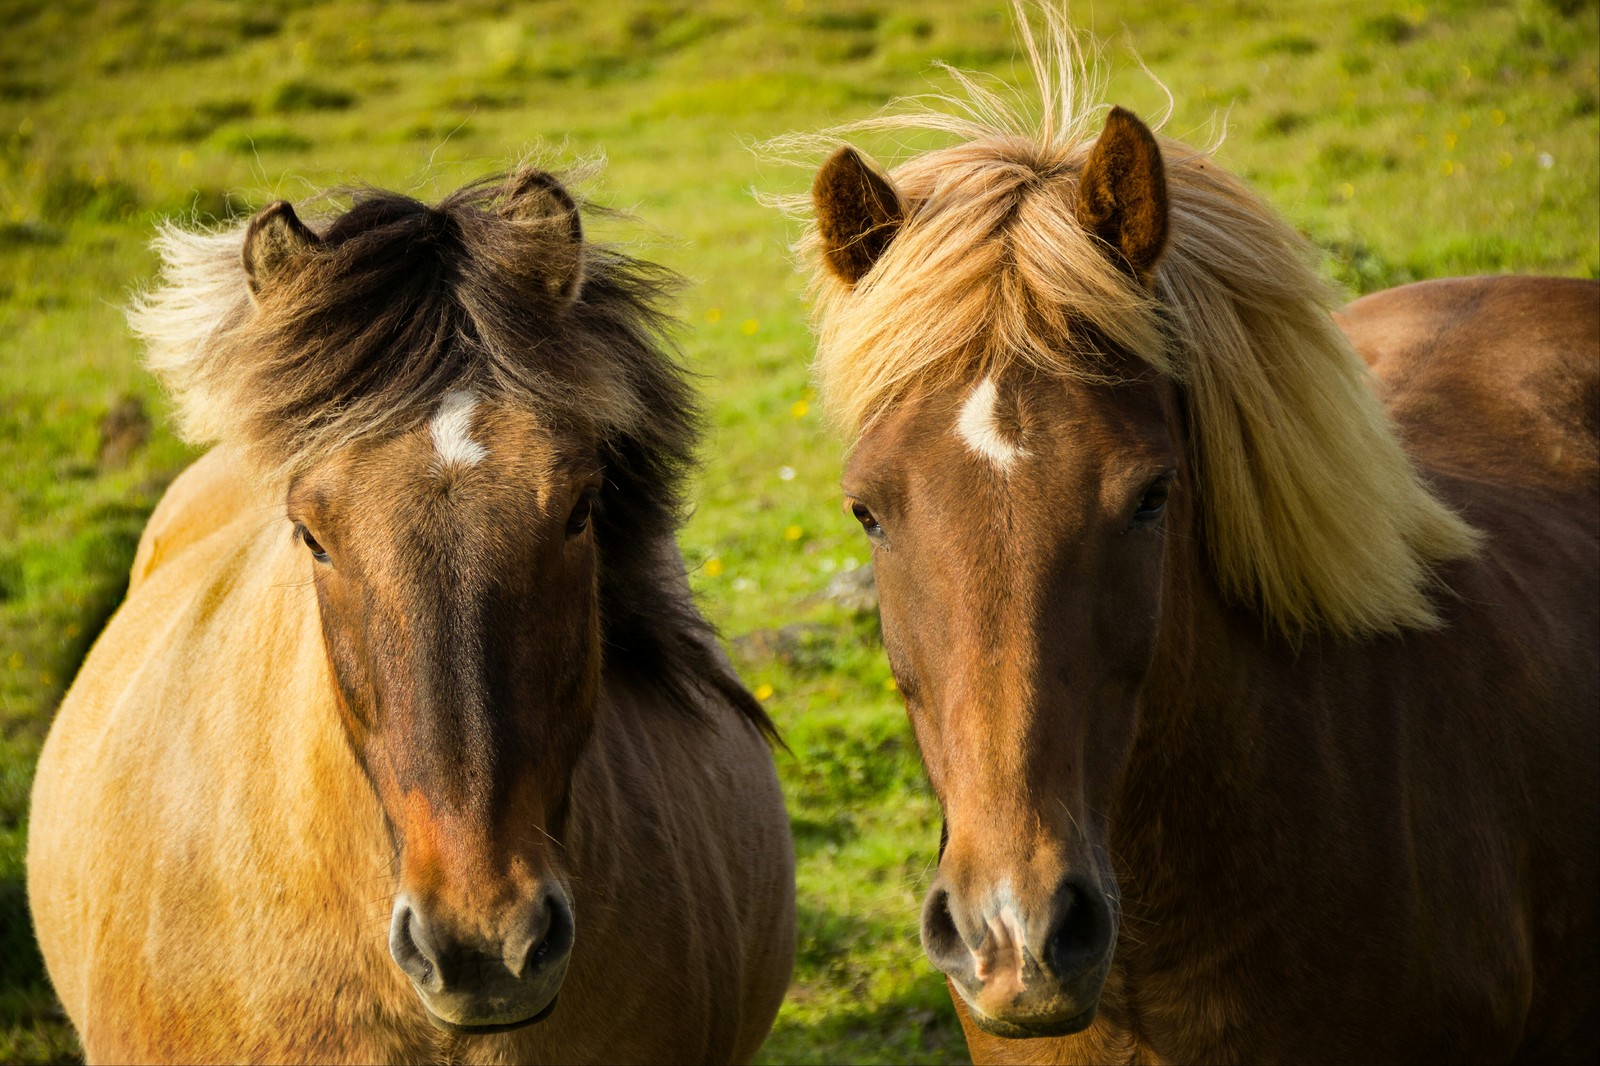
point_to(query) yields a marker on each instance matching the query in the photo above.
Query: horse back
(1495, 378)
(1494, 384)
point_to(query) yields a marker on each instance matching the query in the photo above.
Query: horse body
(1354, 852)
(1257, 685)
(223, 868)
(1384, 852)
(218, 818)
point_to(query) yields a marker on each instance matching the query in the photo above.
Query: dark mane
(398, 303)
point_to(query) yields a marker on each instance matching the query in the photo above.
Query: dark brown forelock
(403, 302)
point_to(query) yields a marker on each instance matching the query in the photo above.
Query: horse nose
(544, 939)
(1023, 971)
(942, 941)
(471, 984)
(1080, 935)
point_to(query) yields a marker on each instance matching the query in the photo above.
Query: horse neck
(1230, 717)
(601, 829)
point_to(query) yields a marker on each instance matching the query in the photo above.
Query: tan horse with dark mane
(408, 734)
(1258, 686)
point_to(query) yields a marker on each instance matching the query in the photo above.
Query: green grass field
(1410, 140)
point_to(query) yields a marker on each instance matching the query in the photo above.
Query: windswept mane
(1312, 512)
(402, 303)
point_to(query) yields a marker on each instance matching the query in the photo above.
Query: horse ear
(273, 240)
(1122, 195)
(536, 197)
(858, 213)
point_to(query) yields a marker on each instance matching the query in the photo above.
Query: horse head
(1021, 525)
(456, 576)
(478, 444)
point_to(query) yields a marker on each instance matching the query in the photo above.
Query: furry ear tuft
(273, 240)
(535, 197)
(1122, 195)
(858, 213)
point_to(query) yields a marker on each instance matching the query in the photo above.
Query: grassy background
(1409, 139)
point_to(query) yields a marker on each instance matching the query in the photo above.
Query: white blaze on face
(980, 429)
(452, 431)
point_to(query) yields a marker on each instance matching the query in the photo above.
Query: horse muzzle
(1023, 972)
(474, 987)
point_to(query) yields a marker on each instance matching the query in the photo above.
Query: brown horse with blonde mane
(1257, 682)
(408, 734)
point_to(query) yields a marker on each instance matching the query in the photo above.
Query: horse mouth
(492, 1028)
(1025, 1030)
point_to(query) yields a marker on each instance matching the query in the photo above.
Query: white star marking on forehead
(979, 429)
(452, 431)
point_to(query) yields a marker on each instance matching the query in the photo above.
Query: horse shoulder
(92, 808)
(185, 790)
(678, 823)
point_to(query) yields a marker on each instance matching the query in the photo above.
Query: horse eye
(1154, 502)
(866, 518)
(582, 512)
(318, 552)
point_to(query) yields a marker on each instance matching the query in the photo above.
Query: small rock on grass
(855, 590)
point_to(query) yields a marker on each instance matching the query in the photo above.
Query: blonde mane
(1311, 510)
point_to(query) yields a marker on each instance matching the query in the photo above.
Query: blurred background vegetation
(1409, 140)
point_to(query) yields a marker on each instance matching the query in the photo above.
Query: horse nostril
(941, 940)
(552, 943)
(410, 948)
(1078, 940)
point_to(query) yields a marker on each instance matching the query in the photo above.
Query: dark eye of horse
(582, 512)
(1154, 502)
(318, 552)
(867, 520)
